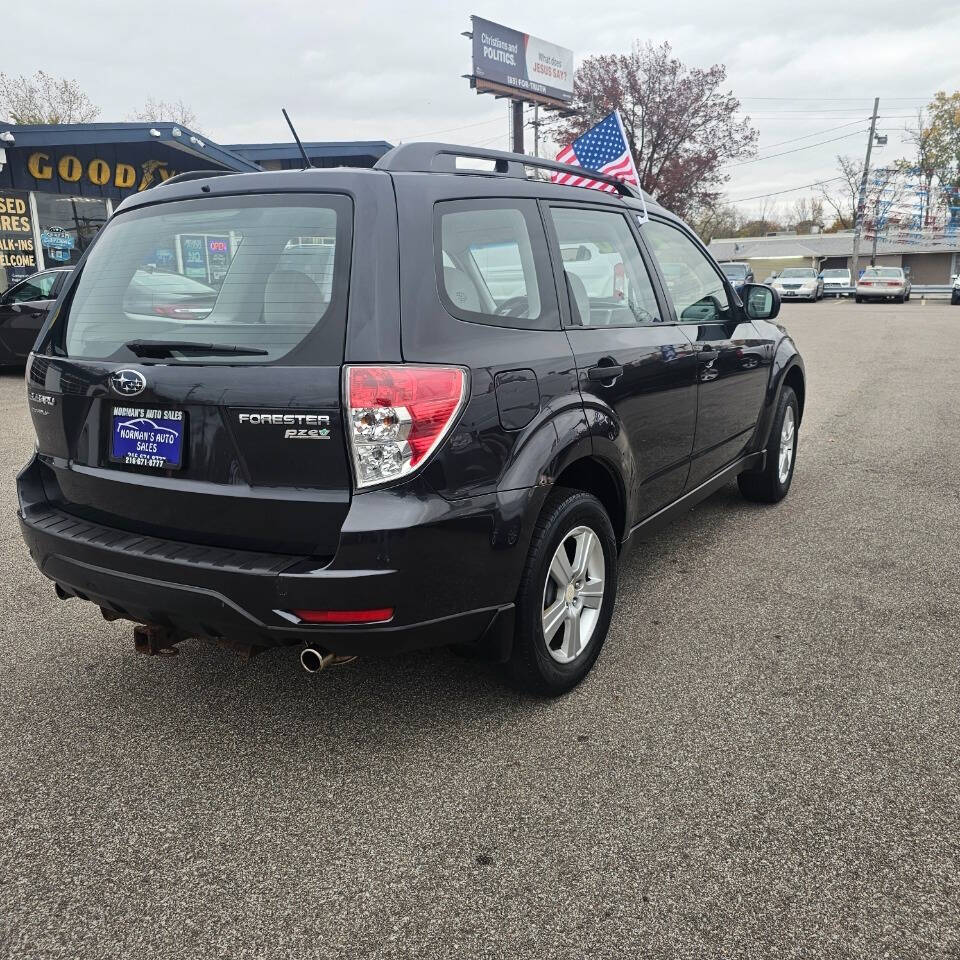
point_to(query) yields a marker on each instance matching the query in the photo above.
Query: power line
(464, 126)
(777, 193)
(833, 99)
(808, 146)
(816, 133)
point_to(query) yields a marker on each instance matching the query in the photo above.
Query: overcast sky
(378, 70)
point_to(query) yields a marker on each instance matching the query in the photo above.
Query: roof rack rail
(442, 158)
(196, 175)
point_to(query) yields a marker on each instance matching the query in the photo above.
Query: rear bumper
(880, 293)
(449, 571)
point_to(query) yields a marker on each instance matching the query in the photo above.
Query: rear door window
(492, 263)
(267, 275)
(605, 275)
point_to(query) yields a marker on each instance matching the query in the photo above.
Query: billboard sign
(523, 63)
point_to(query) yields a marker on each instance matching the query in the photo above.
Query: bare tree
(926, 160)
(808, 214)
(164, 111)
(715, 220)
(43, 98)
(843, 193)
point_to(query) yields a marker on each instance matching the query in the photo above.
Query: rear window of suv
(266, 274)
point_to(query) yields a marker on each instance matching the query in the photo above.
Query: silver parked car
(799, 283)
(836, 283)
(883, 283)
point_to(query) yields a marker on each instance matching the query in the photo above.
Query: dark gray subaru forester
(367, 411)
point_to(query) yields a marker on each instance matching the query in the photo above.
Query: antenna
(306, 159)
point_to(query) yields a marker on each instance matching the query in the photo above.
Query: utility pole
(516, 112)
(876, 232)
(862, 198)
(536, 129)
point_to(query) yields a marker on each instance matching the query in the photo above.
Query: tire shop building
(59, 183)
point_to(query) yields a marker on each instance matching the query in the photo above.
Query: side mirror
(760, 302)
(583, 253)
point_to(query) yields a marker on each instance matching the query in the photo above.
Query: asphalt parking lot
(764, 762)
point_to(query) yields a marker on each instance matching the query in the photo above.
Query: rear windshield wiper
(166, 348)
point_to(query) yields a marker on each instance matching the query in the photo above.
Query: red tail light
(397, 415)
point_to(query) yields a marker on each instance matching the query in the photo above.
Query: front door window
(693, 285)
(36, 288)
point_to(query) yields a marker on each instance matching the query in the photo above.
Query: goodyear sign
(67, 168)
(105, 170)
(18, 258)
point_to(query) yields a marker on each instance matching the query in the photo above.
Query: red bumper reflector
(380, 615)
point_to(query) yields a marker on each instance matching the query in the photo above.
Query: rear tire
(772, 483)
(566, 596)
(859, 299)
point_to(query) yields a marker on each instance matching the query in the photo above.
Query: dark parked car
(738, 274)
(23, 310)
(437, 433)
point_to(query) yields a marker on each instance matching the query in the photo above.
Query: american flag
(603, 148)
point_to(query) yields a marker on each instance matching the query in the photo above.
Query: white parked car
(883, 283)
(836, 283)
(799, 283)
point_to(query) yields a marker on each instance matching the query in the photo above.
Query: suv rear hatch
(190, 388)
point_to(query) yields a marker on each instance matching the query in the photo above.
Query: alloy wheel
(788, 435)
(573, 594)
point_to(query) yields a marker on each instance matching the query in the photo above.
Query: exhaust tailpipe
(313, 661)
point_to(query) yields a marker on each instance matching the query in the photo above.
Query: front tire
(772, 483)
(859, 299)
(566, 596)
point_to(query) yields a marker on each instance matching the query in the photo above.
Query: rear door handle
(605, 372)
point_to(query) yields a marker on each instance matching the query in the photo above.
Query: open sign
(218, 246)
